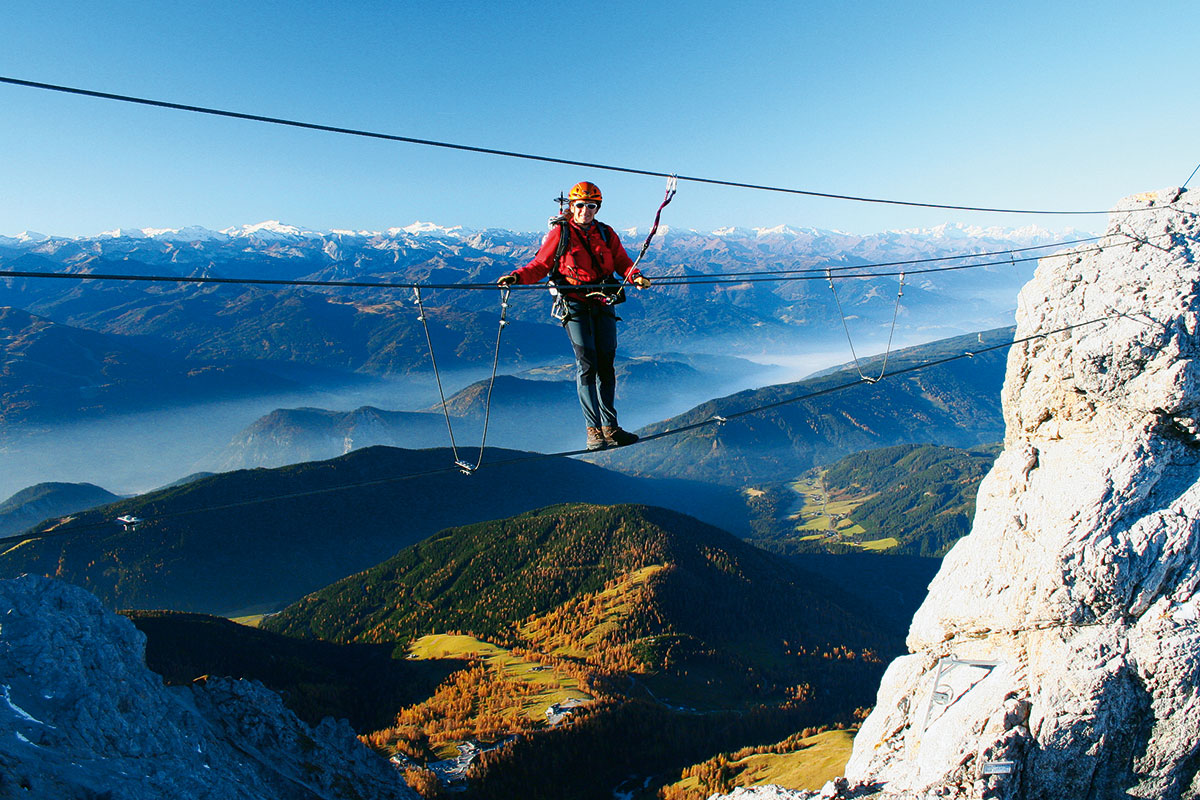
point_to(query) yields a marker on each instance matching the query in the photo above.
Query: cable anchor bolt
(968, 354)
(717, 418)
(464, 467)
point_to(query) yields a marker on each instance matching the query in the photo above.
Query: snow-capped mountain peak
(1028, 234)
(271, 229)
(427, 227)
(733, 230)
(192, 233)
(124, 233)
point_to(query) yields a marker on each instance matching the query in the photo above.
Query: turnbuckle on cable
(505, 292)
(419, 304)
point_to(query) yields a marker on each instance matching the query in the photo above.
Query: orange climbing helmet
(585, 191)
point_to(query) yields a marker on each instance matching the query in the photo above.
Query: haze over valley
(163, 380)
(281, 456)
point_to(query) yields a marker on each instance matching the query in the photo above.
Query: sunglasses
(582, 204)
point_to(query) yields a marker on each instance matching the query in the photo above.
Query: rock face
(82, 717)
(1057, 654)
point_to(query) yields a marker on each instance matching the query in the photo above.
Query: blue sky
(1015, 104)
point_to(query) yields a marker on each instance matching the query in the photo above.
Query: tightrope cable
(60, 530)
(783, 275)
(1189, 180)
(526, 156)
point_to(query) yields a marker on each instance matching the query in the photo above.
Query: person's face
(583, 211)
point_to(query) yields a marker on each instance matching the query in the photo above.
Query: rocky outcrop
(82, 717)
(1057, 654)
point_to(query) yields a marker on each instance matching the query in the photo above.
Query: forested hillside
(262, 538)
(673, 627)
(909, 499)
(544, 579)
(955, 403)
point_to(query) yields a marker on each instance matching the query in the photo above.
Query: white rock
(1078, 579)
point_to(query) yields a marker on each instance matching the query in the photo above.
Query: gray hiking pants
(593, 331)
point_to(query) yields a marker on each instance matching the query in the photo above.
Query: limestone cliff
(82, 717)
(1057, 654)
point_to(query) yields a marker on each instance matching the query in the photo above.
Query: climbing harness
(465, 466)
(609, 292)
(559, 309)
(846, 328)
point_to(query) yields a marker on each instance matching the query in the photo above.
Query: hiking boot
(615, 437)
(595, 439)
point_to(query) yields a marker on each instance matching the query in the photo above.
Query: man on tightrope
(580, 255)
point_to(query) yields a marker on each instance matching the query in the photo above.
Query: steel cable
(527, 156)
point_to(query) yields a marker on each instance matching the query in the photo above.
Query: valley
(132, 386)
(907, 499)
(660, 617)
(670, 615)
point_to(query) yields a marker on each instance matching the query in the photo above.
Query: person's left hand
(641, 282)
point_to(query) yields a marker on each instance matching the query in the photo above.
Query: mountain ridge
(51, 371)
(42, 501)
(954, 403)
(1028, 234)
(749, 316)
(707, 602)
(264, 537)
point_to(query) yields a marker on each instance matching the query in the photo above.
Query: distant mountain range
(50, 372)
(535, 410)
(262, 538)
(293, 435)
(375, 330)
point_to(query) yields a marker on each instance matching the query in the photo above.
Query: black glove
(507, 280)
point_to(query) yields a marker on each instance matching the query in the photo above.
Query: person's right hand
(506, 280)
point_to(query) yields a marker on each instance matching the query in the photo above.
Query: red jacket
(576, 265)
